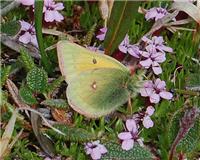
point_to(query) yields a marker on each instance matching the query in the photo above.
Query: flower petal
(49, 16)
(131, 125)
(104, 29)
(166, 95)
(127, 144)
(154, 98)
(26, 2)
(88, 150)
(156, 68)
(102, 149)
(101, 37)
(165, 48)
(58, 17)
(150, 14)
(150, 110)
(25, 38)
(147, 122)
(158, 40)
(134, 51)
(159, 57)
(59, 6)
(96, 154)
(125, 135)
(34, 40)
(145, 54)
(123, 48)
(25, 25)
(160, 85)
(146, 63)
(148, 84)
(145, 92)
(145, 39)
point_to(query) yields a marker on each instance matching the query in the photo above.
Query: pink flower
(147, 122)
(155, 90)
(124, 45)
(155, 13)
(134, 51)
(51, 11)
(152, 59)
(26, 2)
(29, 35)
(102, 35)
(128, 138)
(95, 149)
(157, 43)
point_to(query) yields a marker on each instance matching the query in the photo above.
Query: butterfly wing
(74, 59)
(98, 92)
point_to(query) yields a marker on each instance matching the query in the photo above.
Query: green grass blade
(38, 27)
(119, 23)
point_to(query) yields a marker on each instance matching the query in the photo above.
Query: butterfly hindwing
(98, 92)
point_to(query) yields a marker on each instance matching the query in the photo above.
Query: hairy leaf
(27, 95)
(26, 60)
(5, 71)
(37, 80)
(72, 134)
(190, 141)
(136, 153)
(193, 82)
(88, 38)
(174, 125)
(11, 28)
(184, 131)
(119, 23)
(55, 103)
(55, 84)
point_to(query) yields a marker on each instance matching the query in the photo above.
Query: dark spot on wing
(94, 61)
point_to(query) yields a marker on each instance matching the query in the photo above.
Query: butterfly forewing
(74, 59)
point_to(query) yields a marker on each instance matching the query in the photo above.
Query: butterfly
(97, 83)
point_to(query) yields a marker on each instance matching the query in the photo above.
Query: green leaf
(55, 103)
(38, 14)
(11, 28)
(193, 81)
(26, 60)
(37, 80)
(186, 141)
(27, 96)
(136, 153)
(44, 142)
(55, 84)
(119, 23)
(72, 134)
(5, 71)
(192, 138)
(174, 125)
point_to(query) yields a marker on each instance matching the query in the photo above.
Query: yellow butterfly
(97, 84)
